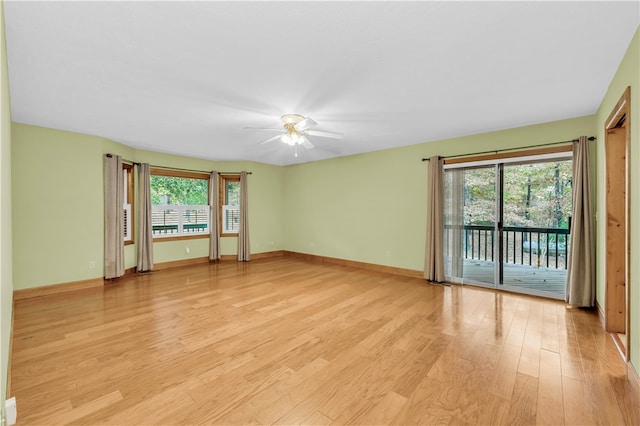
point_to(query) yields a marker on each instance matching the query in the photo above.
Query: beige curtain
(214, 218)
(145, 232)
(244, 250)
(434, 256)
(113, 217)
(581, 285)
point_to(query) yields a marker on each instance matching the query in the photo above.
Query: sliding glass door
(507, 224)
(470, 225)
(537, 215)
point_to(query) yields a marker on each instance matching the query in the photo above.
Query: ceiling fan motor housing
(291, 119)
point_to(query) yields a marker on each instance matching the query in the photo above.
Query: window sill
(229, 235)
(180, 237)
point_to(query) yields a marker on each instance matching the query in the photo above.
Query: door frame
(619, 118)
(498, 161)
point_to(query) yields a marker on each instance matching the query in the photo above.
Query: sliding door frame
(563, 152)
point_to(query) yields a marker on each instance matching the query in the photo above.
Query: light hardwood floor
(287, 341)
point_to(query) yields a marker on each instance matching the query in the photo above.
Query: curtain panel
(581, 283)
(214, 218)
(434, 256)
(244, 249)
(113, 217)
(145, 231)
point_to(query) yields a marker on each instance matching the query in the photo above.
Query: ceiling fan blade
(323, 134)
(306, 143)
(271, 139)
(264, 128)
(305, 124)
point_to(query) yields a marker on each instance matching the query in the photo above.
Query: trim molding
(265, 255)
(254, 256)
(511, 154)
(355, 264)
(179, 263)
(205, 259)
(10, 360)
(28, 293)
(632, 376)
(600, 314)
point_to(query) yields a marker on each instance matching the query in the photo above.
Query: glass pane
(178, 191)
(232, 193)
(195, 221)
(230, 219)
(537, 210)
(479, 225)
(164, 222)
(469, 221)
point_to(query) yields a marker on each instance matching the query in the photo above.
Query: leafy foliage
(179, 191)
(535, 195)
(538, 195)
(232, 191)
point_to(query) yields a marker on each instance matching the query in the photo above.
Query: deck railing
(179, 220)
(541, 247)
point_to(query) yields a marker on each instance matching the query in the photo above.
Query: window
(179, 204)
(229, 204)
(127, 170)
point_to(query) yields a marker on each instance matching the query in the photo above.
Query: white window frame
(127, 222)
(180, 211)
(226, 209)
(128, 231)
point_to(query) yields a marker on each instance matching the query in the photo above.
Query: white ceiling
(187, 77)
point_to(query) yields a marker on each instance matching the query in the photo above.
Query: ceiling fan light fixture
(296, 132)
(291, 137)
(287, 139)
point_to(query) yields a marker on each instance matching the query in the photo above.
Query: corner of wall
(6, 275)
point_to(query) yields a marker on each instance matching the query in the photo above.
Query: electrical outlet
(10, 411)
(187, 250)
(92, 264)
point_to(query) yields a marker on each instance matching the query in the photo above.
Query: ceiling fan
(294, 131)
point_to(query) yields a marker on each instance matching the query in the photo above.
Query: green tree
(178, 190)
(535, 195)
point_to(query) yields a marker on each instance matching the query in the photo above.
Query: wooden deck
(549, 280)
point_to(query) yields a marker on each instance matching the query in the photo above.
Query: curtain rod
(495, 151)
(195, 171)
(177, 168)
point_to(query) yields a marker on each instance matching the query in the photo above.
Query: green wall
(58, 206)
(628, 74)
(372, 207)
(6, 276)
